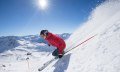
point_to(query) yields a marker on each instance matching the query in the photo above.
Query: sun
(42, 4)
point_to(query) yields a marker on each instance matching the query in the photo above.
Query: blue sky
(23, 17)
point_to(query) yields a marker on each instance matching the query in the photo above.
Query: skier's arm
(48, 44)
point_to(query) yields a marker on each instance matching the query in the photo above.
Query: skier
(54, 40)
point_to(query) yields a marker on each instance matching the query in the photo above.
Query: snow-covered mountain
(10, 42)
(98, 54)
(64, 35)
(37, 38)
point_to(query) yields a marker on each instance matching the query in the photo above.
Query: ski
(47, 64)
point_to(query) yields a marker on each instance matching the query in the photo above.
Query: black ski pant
(55, 52)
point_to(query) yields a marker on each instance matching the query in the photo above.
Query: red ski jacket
(56, 41)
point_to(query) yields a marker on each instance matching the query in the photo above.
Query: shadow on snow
(62, 64)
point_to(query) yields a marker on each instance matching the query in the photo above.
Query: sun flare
(42, 4)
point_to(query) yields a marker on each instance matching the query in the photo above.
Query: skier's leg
(55, 52)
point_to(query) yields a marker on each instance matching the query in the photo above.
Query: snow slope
(99, 54)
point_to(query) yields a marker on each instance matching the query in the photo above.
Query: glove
(48, 44)
(60, 56)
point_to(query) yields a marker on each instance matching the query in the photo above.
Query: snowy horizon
(32, 35)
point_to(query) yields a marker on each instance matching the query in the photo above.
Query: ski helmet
(44, 32)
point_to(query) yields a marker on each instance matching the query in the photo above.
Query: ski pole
(28, 64)
(81, 43)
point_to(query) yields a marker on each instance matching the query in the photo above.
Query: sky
(25, 17)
